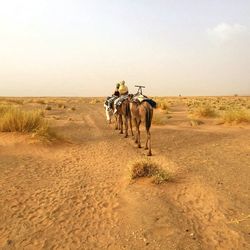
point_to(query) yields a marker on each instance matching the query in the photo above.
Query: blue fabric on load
(151, 102)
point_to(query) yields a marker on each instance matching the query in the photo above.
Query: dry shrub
(222, 108)
(15, 101)
(195, 122)
(204, 111)
(236, 116)
(48, 107)
(4, 109)
(163, 106)
(61, 105)
(160, 118)
(38, 101)
(94, 101)
(147, 168)
(16, 120)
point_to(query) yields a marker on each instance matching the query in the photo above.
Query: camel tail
(127, 110)
(148, 118)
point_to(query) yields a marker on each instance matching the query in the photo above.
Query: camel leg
(139, 135)
(126, 127)
(136, 136)
(116, 123)
(149, 143)
(131, 127)
(121, 124)
(146, 145)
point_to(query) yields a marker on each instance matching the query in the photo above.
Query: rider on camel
(123, 90)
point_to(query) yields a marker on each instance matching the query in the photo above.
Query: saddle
(121, 99)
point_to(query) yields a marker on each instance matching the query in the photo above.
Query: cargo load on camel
(140, 98)
(110, 101)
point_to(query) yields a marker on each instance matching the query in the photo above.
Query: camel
(142, 113)
(124, 116)
(109, 111)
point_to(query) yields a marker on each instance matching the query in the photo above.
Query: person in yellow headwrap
(123, 90)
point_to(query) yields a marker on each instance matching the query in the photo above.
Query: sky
(83, 48)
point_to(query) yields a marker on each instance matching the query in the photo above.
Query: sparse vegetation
(236, 116)
(231, 110)
(147, 168)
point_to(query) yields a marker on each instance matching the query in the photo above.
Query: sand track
(77, 196)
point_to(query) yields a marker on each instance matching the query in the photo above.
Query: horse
(142, 112)
(124, 113)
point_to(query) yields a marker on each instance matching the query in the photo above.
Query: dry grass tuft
(16, 120)
(236, 116)
(195, 122)
(204, 111)
(161, 118)
(147, 168)
(163, 106)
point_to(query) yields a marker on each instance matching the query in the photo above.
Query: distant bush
(222, 108)
(38, 101)
(48, 108)
(15, 101)
(62, 105)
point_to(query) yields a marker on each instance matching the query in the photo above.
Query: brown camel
(124, 116)
(142, 113)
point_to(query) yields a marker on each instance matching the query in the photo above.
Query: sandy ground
(77, 195)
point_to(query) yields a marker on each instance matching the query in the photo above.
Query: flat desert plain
(75, 192)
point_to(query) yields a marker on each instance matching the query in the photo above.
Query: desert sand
(76, 193)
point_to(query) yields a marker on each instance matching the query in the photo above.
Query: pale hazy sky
(82, 48)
